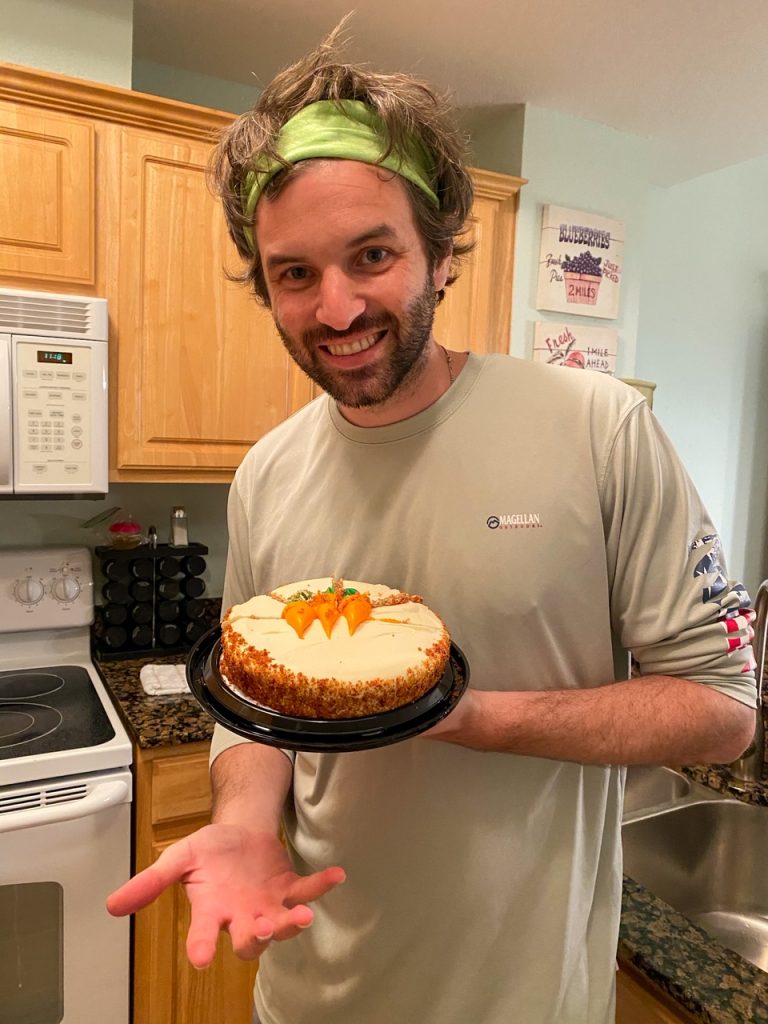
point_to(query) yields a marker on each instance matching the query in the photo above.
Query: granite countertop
(154, 721)
(715, 985)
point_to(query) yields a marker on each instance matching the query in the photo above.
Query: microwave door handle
(103, 795)
(6, 417)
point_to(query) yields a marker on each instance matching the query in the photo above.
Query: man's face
(350, 290)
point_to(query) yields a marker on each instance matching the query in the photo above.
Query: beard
(370, 385)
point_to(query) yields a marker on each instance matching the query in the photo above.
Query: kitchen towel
(157, 680)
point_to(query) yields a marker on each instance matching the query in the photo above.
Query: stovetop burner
(22, 723)
(52, 709)
(19, 685)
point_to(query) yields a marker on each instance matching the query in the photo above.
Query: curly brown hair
(408, 108)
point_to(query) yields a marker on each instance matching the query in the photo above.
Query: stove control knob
(28, 591)
(65, 589)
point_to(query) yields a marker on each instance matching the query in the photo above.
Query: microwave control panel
(60, 412)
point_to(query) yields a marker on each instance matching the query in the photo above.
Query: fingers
(137, 892)
(202, 937)
(142, 889)
(312, 887)
(251, 935)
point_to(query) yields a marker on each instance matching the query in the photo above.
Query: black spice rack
(152, 600)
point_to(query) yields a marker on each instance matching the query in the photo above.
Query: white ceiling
(691, 74)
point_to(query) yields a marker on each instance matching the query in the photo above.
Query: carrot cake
(332, 648)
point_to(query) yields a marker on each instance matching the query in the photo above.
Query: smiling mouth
(353, 347)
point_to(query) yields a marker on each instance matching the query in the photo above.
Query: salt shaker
(179, 527)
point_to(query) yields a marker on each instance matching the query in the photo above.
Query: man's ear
(442, 270)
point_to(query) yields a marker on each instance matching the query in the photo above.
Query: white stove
(65, 794)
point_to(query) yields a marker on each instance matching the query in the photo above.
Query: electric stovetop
(50, 709)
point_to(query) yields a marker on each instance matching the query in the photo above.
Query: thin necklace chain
(449, 363)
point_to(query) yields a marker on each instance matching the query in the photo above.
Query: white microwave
(53, 394)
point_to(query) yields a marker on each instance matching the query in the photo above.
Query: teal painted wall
(91, 39)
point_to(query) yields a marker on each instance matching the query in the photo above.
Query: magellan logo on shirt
(515, 521)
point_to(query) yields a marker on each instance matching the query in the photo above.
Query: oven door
(64, 846)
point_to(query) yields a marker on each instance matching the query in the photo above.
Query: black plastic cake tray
(245, 717)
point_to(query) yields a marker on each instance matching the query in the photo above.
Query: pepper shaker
(179, 527)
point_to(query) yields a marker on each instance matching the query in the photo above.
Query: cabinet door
(167, 989)
(476, 313)
(47, 199)
(202, 373)
(637, 1004)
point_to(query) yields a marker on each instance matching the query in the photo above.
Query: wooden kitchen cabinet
(172, 800)
(197, 370)
(201, 371)
(122, 210)
(47, 202)
(476, 313)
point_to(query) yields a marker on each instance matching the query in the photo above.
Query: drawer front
(180, 787)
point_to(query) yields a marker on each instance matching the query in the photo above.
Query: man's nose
(339, 302)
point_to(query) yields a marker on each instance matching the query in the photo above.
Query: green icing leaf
(307, 595)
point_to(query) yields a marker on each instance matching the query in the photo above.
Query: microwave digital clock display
(46, 356)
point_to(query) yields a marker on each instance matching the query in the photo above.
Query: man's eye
(374, 256)
(296, 273)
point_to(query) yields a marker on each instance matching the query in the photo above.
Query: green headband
(342, 130)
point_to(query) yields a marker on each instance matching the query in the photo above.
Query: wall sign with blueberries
(580, 263)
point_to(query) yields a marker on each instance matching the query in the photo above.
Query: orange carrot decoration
(328, 607)
(299, 615)
(328, 613)
(356, 609)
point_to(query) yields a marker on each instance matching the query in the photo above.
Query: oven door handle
(102, 796)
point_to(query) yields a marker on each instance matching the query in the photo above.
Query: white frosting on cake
(393, 640)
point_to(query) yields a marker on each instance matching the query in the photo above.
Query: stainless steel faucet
(749, 767)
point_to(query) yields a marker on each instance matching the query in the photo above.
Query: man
(482, 860)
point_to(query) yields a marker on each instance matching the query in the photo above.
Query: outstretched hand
(237, 880)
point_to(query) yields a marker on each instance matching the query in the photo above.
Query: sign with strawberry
(578, 345)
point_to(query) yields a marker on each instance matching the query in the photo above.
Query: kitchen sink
(648, 787)
(707, 859)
